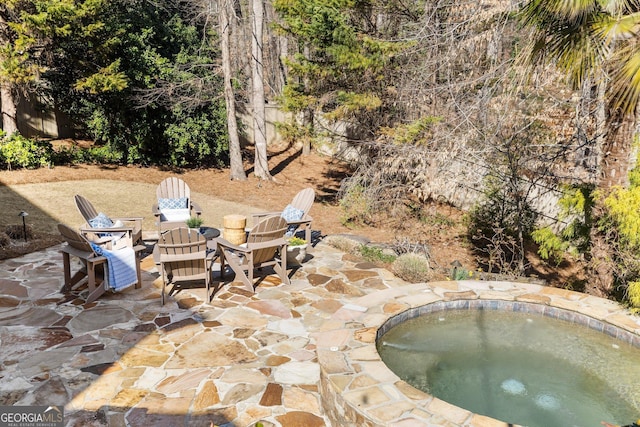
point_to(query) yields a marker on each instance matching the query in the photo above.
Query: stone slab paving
(279, 356)
(127, 360)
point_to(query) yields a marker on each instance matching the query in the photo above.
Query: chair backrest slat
(85, 208)
(75, 239)
(182, 241)
(270, 228)
(304, 200)
(173, 188)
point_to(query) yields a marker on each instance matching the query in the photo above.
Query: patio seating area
(288, 347)
(297, 354)
(125, 359)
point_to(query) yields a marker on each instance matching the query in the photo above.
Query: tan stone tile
(131, 372)
(298, 399)
(366, 335)
(450, 285)
(367, 352)
(362, 381)
(395, 307)
(141, 357)
(340, 382)
(175, 383)
(241, 317)
(299, 418)
(563, 293)
(449, 411)
(366, 397)
(206, 397)
(210, 349)
(167, 405)
(333, 362)
(252, 415)
(276, 360)
(272, 395)
(182, 334)
(460, 295)
(624, 321)
(410, 391)
(482, 421)
(338, 338)
(534, 298)
(126, 399)
(391, 411)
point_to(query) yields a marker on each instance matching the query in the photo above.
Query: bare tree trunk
(8, 102)
(601, 126)
(9, 109)
(615, 155)
(235, 154)
(307, 114)
(261, 165)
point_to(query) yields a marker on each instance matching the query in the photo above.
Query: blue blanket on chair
(121, 267)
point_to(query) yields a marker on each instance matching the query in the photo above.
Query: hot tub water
(521, 368)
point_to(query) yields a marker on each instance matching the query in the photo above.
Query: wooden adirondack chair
(266, 246)
(174, 205)
(184, 258)
(129, 234)
(94, 266)
(296, 213)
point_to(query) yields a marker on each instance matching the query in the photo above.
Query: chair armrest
(129, 218)
(100, 241)
(89, 256)
(139, 248)
(196, 208)
(222, 243)
(268, 244)
(264, 214)
(95, 230)
(182, 257)
(137, 220)
(306, 220)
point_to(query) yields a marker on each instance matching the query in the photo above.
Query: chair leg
(95, 290)
(138, 272)
(164, 283)
(307, 233)
(67, 271)
(282, 272)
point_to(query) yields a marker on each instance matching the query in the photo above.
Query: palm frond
(614, 29)
(625, 86)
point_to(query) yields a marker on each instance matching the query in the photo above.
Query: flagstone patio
(289, 355)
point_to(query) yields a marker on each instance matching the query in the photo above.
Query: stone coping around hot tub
(514, 306)
(358, 389)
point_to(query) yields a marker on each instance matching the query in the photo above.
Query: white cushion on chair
(174, 215)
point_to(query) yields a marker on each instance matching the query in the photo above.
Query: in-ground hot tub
(518, 362)
(357, 387)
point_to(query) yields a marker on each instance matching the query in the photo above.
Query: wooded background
(521, 113)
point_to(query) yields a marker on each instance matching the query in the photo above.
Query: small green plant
(18, 151)
(296, 241)
(413, 268)
(374, 254)
(633, 294)
(194, 222)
